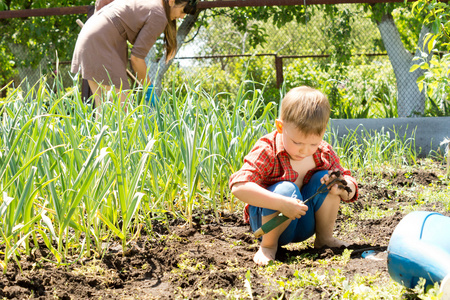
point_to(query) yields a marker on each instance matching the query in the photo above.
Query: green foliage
(378, 10)
(437, 14)
(341, 33)
(408, 25)
(37, 41)
(435, 80)
(226, 76)
(338, 29)
(365, 150)
(259, 27)
(243, 18)
(367, 90)
(436, 83)
(3, 5)
(7, 62)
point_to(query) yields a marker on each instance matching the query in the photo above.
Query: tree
(158, 67)
(411, 101)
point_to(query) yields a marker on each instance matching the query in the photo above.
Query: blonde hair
(307, 109)
(170, 32)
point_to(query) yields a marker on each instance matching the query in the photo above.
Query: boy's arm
(253, 194)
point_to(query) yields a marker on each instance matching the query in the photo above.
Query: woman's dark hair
(170, 32)
(191, 7)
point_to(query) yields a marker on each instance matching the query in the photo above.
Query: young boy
(288, 166)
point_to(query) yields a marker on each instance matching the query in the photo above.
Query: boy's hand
(340, 186)
(293, 208)
(255, 195)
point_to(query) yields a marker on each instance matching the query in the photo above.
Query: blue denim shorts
(299, 229)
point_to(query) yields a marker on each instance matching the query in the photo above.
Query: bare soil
(213, 258)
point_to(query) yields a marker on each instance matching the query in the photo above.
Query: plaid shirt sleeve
(258, 164)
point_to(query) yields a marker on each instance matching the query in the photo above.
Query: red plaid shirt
(268, 163)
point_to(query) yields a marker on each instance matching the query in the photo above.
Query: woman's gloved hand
(150, 96)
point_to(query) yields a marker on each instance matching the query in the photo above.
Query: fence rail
(278, 60)
(42, 12)
(59, 11)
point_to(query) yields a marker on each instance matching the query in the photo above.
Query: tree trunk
(410, 101)
(159, 68)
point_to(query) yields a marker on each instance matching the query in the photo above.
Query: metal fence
(379, 54)
(297, 51)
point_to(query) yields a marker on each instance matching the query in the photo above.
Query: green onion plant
(73, 178)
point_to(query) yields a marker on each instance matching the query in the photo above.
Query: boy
(287, 166)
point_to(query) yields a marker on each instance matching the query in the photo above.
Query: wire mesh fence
(356, 60)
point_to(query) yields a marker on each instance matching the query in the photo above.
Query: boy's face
(297, 144)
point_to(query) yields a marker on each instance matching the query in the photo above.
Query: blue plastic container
(420, 247)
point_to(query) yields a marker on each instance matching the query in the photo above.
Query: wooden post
(279, 70)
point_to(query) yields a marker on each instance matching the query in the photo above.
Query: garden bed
(214, 259)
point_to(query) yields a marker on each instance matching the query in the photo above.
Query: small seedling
(248, 284)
